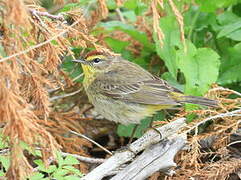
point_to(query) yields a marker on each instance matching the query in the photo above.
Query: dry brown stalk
(21, 126)
(156, 18)
(119, 2)
(103, 8)
(179, 18)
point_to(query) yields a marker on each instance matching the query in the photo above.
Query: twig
(4, 151)
(222, 115)
(85, 159)
(51, 16)
(235, 142)
(97, 144)
(120, 15)
(64, 96)
(57, 88)
(64, 154)
(225, 89)
(34, 13)
(40, 44)
(179, 18)
(77, 77)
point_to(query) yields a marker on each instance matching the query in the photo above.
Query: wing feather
(138, 86)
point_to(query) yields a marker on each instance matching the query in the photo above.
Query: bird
(123, 92)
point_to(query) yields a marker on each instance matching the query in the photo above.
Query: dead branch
(51, 16)
(225, 89)
(122, 19)
(222, 115)
(152, 160)
(97, 144)
(149, 138)
(40, 44)
(65, 95)
(84, 159)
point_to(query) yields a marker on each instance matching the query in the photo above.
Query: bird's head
(96, 62)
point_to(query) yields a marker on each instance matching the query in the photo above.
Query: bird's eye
(96, 60)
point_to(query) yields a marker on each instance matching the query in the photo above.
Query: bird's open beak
(82, 61)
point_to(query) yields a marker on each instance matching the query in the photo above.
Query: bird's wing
(137, 88)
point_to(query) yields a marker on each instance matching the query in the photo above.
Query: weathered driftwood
(149, 138)
(157, 157)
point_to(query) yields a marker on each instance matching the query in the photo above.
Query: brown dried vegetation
(210, 154)
(34, 46)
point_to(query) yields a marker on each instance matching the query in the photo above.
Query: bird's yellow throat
(89, 71)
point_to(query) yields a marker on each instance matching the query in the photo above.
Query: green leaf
(126, 130)
(54, 42)
(3, 141)
(37, 153)
(196, 20)
(70, 160)
(131, 4)
(37, 176)
(200, 68)
(2, 173)
(227, 17)
(24, 145)
(74, 69)
(71, 177)
(73, 170)
(69, 6)
(126, 54)
(230, 70)
(41, 166)
(168, 77)
(130, 30)
(141, 8)
(5, 161)
(130, 15)
(111, 4)
(143, 60)
(236, 35)
(60, 159)
(191, 117)
(59, 173)
(136, 5)
(171, 41)
(117, 45)
(2, 51)
(211, 6)
(230, 28)
(236, 9)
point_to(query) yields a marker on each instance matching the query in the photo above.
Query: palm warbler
(123, 92)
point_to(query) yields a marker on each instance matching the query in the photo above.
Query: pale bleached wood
(149, 138)
(158, 157)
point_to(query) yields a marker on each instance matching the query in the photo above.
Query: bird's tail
(199, 100)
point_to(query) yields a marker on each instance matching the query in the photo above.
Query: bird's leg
(151, 125)
(133, 133)
(151, 121)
